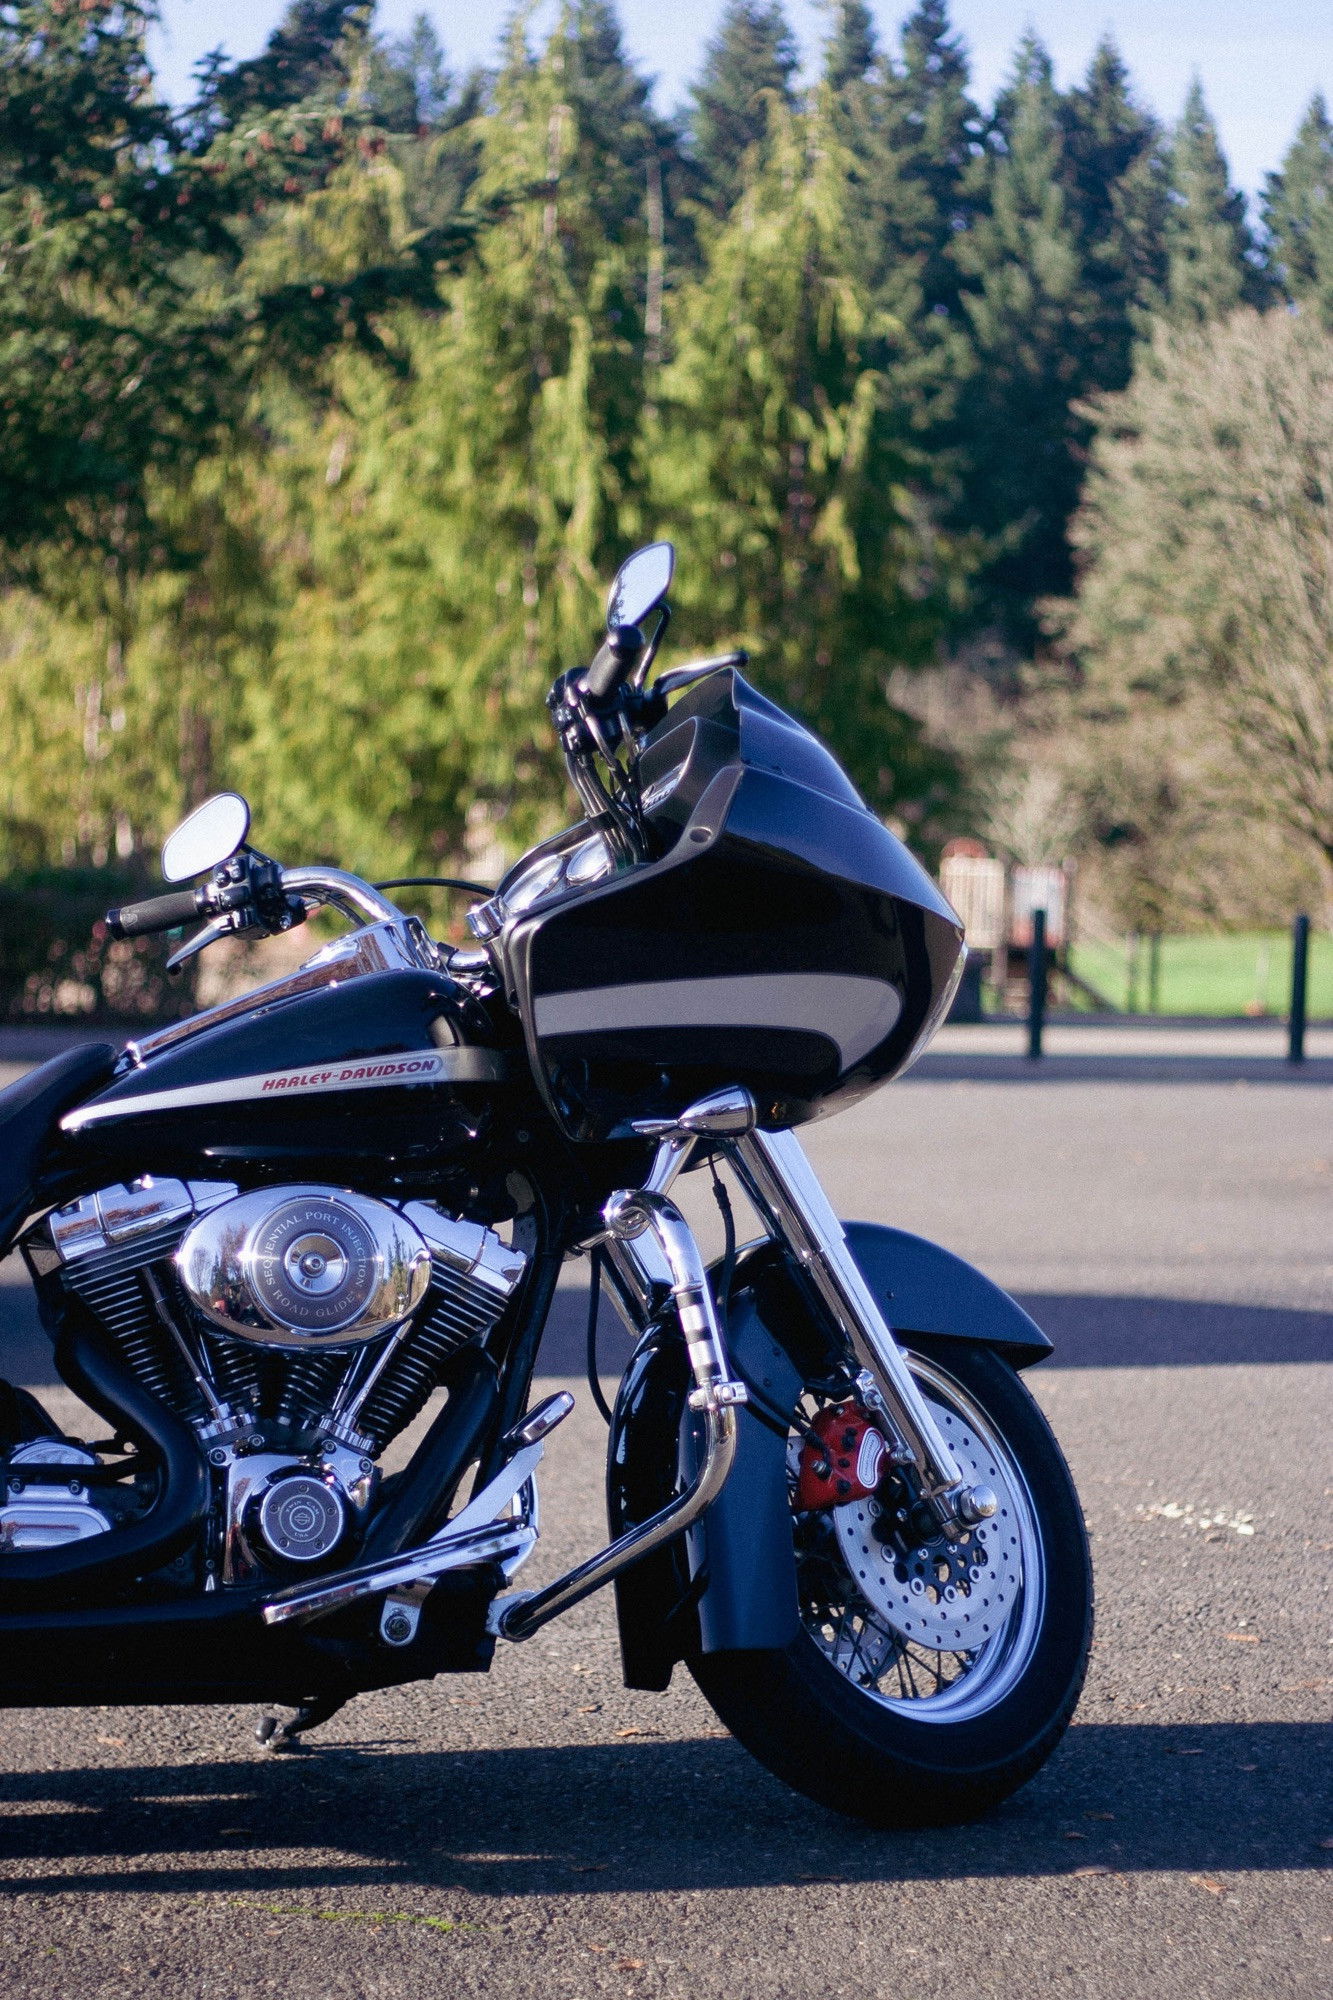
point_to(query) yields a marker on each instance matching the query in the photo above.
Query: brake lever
(697, 670)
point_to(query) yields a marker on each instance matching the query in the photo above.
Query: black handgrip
(612, 661)
(158, 913)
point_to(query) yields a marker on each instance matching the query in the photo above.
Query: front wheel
(929, 1679)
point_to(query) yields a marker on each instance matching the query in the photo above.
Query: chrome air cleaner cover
(304, 1267)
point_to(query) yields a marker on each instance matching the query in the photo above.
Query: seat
(29, 1110)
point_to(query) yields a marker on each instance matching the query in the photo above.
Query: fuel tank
(389, 1069)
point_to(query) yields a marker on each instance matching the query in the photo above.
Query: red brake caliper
(846, 1462)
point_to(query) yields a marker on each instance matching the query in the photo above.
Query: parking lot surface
(543, 1831)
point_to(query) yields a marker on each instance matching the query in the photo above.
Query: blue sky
(1260, 60)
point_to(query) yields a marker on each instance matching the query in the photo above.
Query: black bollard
(1037, 984)
(1300, 969)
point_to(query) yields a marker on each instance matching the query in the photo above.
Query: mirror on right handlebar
(211, 834)
(642, 581)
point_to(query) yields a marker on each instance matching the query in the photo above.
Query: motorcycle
(264, 1237)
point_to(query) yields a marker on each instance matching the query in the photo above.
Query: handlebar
(612, 661)
(156, 913)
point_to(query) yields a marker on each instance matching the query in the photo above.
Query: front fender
(729, 1583)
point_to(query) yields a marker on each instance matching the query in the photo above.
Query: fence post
(1037, 984)
(1300, 967)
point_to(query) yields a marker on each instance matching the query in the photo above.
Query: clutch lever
(215, 928)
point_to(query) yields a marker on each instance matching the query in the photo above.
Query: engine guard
(730, 1583)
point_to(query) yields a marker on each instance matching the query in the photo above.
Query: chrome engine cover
(42, 1515)
(304, 1267)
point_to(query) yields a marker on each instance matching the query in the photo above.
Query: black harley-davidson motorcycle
(263, 1238)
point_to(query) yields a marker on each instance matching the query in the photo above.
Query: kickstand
(278, 1733)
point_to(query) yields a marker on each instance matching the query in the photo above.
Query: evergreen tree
(444, 538)
(748, 71)
(1210, 259)
(1298, 213)
(935, 135)
(1115, 174)
(159, 270)
(778, 466)
(307, 57)
(1028, 306)
(851, 51)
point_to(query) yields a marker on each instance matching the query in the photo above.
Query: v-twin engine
(297, 1329)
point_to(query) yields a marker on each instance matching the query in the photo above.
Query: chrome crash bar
(631, 1218)
(635, 1222)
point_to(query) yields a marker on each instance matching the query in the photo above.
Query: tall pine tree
(1298, 213)
(1116, 177)
(778, 466)
(851, 51)
(1028, 305)
(748, 71)
(445, 539)
(1210, 260)
(935, 136)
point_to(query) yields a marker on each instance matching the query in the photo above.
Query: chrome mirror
(642, 581)
(211, 834)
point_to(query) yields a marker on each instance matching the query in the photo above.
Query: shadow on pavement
(1088, 1331)
(1092, 1332)
(649, 1816)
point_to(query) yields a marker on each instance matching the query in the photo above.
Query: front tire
(869, 1710)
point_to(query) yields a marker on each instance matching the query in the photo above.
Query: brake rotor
(947, 1596)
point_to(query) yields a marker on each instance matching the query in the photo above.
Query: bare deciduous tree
(1206, 545)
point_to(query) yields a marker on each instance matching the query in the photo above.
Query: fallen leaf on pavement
(630, 1964)
(638, 1732)
(1211, 1884)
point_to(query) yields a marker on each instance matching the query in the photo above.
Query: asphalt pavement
(543, 1831)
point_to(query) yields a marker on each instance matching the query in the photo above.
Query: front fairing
(780, 937)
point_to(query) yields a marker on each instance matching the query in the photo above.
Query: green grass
(1248, 972)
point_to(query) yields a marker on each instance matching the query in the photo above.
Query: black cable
(758, 1405)
(594, 1299)
(435, 882)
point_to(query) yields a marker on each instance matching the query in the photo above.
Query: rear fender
(729, 1583)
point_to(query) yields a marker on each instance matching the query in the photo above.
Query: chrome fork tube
(786, 1191)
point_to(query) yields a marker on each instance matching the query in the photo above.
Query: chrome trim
(473, 1536)
(404, 1069)
(118, 1214)
(468, 1248)
(236, 1278)
(348, 893)
(629, 1215)
(382, 946)
(523, 1614)
(785, 1190)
